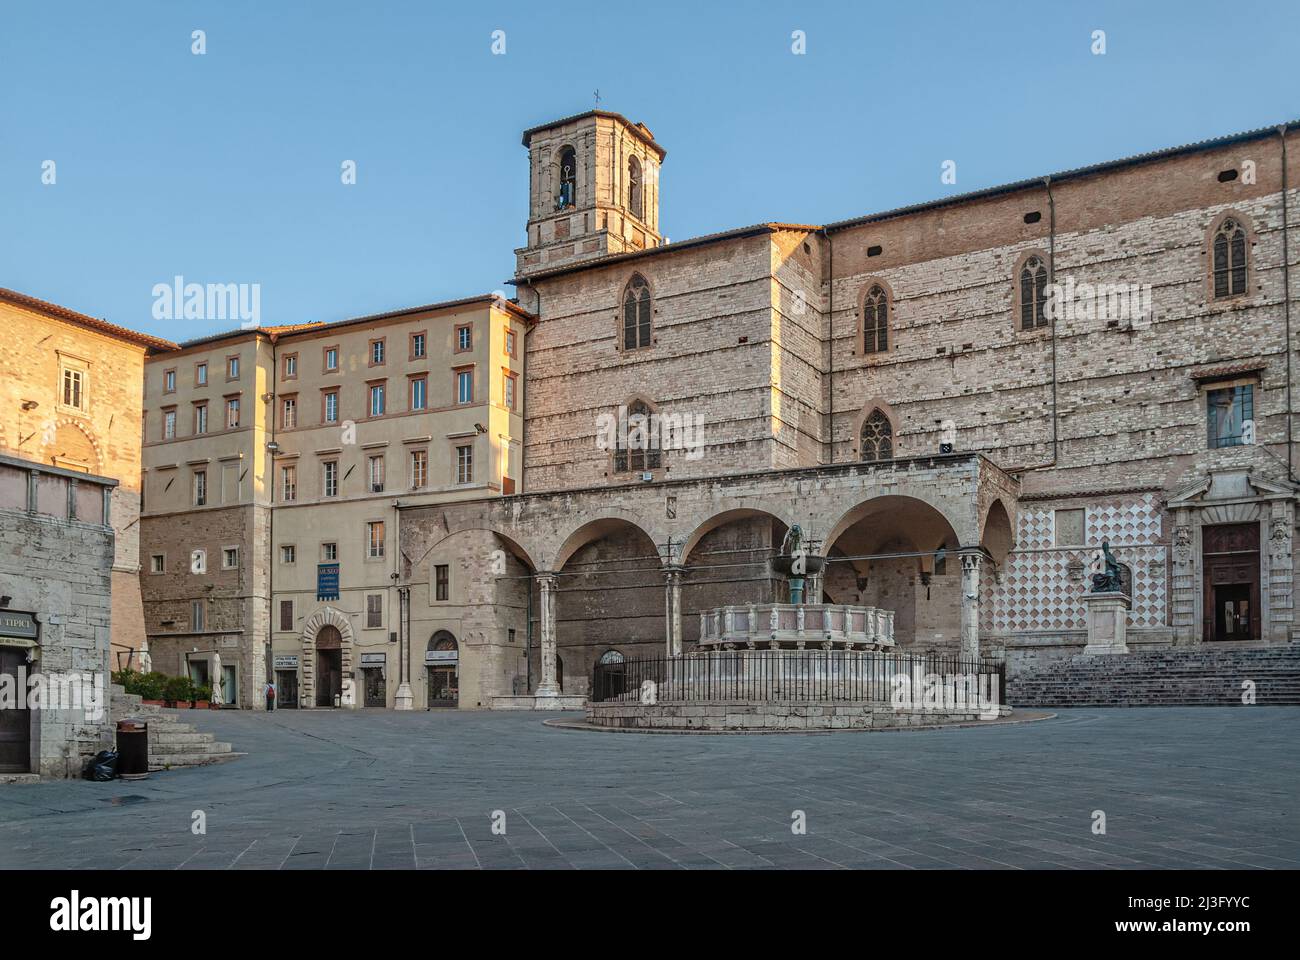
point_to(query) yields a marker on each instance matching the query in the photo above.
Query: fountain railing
(788, 625)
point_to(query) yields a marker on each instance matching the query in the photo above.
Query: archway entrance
(329, 667)
(442, 663)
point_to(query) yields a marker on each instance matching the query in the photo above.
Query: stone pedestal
(1107, 622)
(403, 700)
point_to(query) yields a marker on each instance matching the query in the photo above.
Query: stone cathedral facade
(958, 402)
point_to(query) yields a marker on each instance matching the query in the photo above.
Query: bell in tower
(593, 191)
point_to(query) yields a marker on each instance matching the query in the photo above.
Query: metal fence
(794, 676)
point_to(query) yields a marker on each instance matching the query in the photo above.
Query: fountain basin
(777, 626)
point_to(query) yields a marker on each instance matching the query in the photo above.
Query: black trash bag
(102, 766)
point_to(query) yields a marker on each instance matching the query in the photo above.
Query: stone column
(970, 605)
(673, 611)
(1186, 601)
(546, 609)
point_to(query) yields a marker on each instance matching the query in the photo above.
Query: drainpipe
(1051, 282)
(1286, 304)
(830, 334)
(271, 447)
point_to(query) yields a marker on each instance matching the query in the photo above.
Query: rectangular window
(441, 581)
(417, 346)
(197, 619)
(419, 469)
(377, 400)
(232, 368)
(169, 381)
(73, 389)
(374, 609)
(157, 563)
(375, 539)
(464, 338)
(330, 413)
(200, 418)
(200, 488)
(286, 614)
(1069, 530)
(465, 464)
(289, 413)
(329, 551)
(229, 558)
(331, 477)
(509, 390)
(419, 392)
(288, 553)
(232, 413)
(169, 424)
(288, 484)
(375, 467)
(290, 366)
(201, 375)
(331, 359)
(1230, 416)
(376, 352)
(465, 386)
(510, 343)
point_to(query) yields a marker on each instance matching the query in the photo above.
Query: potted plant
(149, 686)
(200, 696)
(176, 690)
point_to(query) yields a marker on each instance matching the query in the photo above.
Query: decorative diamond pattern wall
(1035, 591)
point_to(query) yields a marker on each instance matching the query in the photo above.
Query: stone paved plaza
(1189, 787)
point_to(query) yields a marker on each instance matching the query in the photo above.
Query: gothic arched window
(638, 447)
(1033, 293)
(636, 313)
(634, 188)
(568, 195)
(1229, 259)
(877, 437)
(875, 320)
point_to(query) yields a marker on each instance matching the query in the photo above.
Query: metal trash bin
(132, 749)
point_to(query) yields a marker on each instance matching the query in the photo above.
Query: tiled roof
(81, 319)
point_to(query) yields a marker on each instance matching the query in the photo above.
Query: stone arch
(707, 526)
(867, 303)
(898, 511)
(881, 552)
(864, 413)
(594, 529)
(636, 313)
(997, 535)
(1247, 228)
(513, 545)
(322, 618)
(1033, 267)
(72, 442)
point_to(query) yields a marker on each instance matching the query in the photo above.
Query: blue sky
(225, 168)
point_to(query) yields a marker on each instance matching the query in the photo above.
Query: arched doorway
(442, 664)
(329, 666)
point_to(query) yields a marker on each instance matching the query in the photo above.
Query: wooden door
(1230, 587)
(15, 723)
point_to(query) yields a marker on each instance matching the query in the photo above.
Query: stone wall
(60, 570)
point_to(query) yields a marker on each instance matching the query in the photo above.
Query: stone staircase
(172, 742)
(1173, 676)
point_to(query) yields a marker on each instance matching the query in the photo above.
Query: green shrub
(149, 685)
(178, 689)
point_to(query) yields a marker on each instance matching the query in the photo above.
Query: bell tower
(593, 190)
